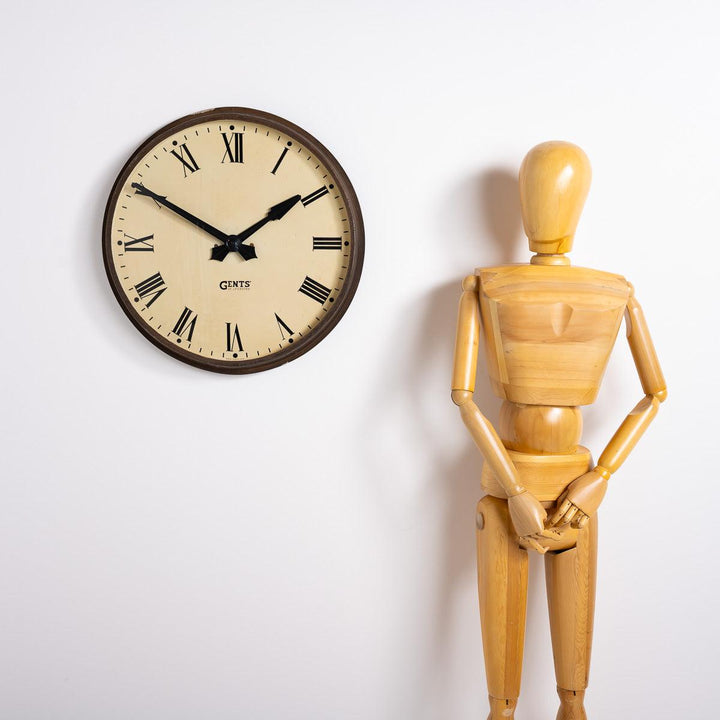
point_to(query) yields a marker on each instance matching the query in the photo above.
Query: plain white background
(299, 544)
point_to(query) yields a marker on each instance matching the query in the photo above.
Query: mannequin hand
(580, 501)
(528, 518)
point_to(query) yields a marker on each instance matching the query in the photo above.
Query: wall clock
(233, 240)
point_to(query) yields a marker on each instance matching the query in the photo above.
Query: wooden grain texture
(466, 345)
(554, 182)
(571, 705)
(628, 434)
(548, 330)
(502, 586)
(653, 383)
(540, 428)
(643, 349)
(570, 581)
(545, 476)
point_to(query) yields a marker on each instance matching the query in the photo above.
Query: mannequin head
(554, 182)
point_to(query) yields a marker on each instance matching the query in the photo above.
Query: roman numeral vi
(233, 337)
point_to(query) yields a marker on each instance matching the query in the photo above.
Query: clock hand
(247, 253)
(235, 242)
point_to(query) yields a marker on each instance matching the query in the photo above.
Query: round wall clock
(233, 240)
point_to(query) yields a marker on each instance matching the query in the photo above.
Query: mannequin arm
(586, 493)
(653, 383)
(464, 373)
(527, 514)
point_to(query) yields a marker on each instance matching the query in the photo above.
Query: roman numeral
(233, 337)
(327, 243)
(142, 244)
(313, 196)
(185, 324)
(282, 324)
(313, 289)
(154, 285)
(186, 158)
(233, 147)
(280, 159)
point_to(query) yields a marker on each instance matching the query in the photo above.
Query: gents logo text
(234, 284)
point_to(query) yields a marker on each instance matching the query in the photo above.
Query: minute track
(269, 314)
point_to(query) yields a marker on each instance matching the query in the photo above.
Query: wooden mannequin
(548, 330)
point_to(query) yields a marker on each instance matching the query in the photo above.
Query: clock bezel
(355, 259)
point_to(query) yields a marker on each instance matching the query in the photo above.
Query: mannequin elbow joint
(460, 397)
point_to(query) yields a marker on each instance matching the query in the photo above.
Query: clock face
(233, 240)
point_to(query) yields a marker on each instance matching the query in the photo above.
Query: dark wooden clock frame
(355, 260)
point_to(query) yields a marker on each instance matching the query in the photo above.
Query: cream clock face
(233, 240)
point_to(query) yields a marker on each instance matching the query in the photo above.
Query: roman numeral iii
(327, 243)
(233, 147)
(185, 324)
(313, 196)
(315, 290)
(153, 286)
(186, 158)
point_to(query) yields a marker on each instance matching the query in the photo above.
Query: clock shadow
(110, 323)
(491, 206)
(99, 300)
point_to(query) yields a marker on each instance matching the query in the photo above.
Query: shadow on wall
(450, 479)
(503, 240)
(500, 241)
(457, 478)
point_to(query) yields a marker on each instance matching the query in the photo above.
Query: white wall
(317, 561)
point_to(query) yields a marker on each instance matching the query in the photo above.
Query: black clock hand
(235, 242)
(218, 234)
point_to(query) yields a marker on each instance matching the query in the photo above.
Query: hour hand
(220, 252)
(277, 212)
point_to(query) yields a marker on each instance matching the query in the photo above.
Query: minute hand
(142, 190)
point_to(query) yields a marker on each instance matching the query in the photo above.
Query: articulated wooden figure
(548, 330)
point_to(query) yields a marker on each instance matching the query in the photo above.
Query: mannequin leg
(570, 578)
(502, 584)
